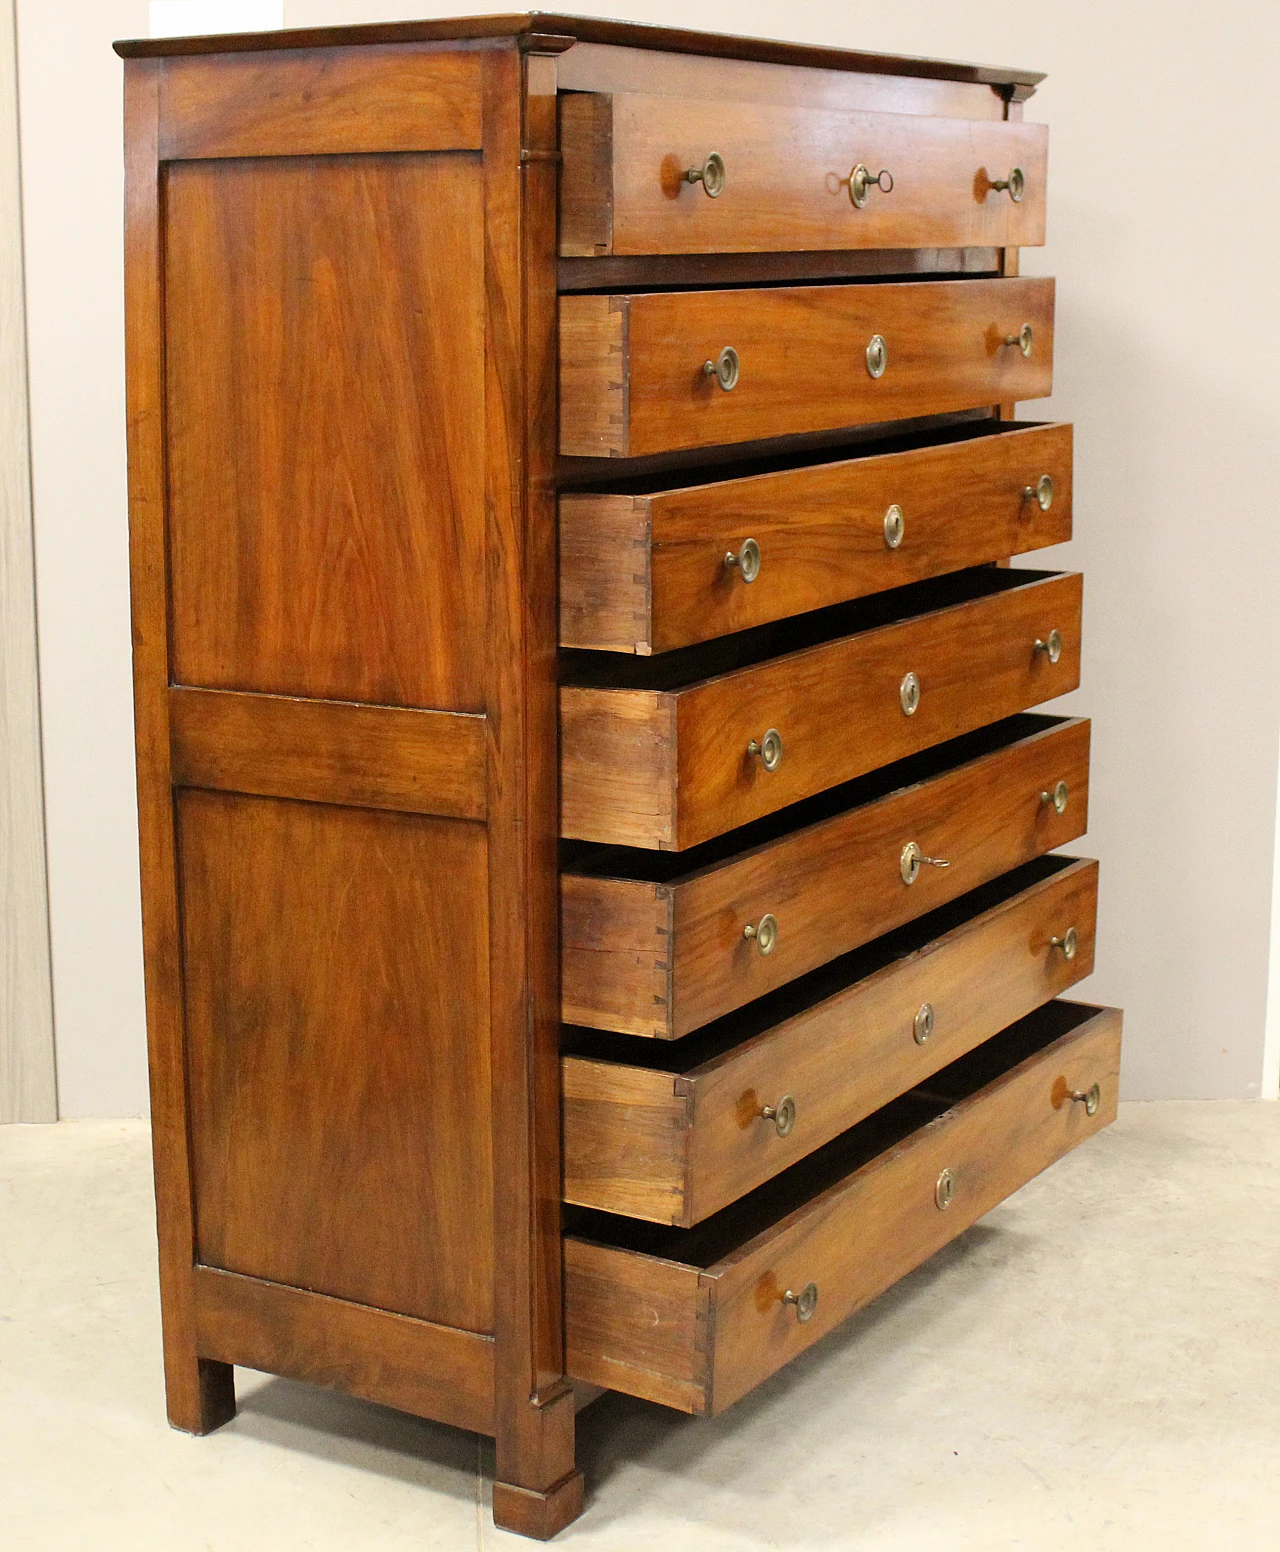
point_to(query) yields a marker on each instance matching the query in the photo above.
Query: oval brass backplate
(877, 355)
(945, 1190)
(895, 525)
(922, 1024)
(909, 694)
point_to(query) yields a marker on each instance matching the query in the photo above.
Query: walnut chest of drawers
(602, 906)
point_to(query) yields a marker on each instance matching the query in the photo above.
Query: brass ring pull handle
(765, 932)
(1024, 339)
(945, 1190)
(806, 1301)
(769, 748)
(1069, 942)
(747, 560)
(710, 175)
(1015, 185)
(725, 369)
(895, 526)
(783, 1115)
(862, 180)
(1058, 796)
(913, 859)
(1041, 492)
(1090, 1098)
(1051, 645)
(877, 355)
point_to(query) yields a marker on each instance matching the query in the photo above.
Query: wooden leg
(538, 1490)
(201, 1395)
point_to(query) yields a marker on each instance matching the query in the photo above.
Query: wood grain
(854, 1239)
(28, 1091)
(337, 1051)
(832, 885)
(675, 1142)
(787, 170)
(412, 1365)
(320, 103)
(803, 360)
(325, 356)
(741, 269)
(424, 762)
(837, 706)
(646, 573)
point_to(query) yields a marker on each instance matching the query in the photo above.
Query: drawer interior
(686, 666)
(724, 1034)
(668, 867)
(726, 1231)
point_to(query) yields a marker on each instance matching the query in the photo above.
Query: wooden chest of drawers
(602, 912)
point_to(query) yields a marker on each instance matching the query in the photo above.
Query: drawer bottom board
(696, 1318)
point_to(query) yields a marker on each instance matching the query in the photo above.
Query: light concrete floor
(1095, 1365)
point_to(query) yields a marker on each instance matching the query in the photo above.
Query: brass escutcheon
(877, 355)
(862, 180)
(913, 859)
(945, 1190)
(909, 694)
(895, 525)
(922, 1024)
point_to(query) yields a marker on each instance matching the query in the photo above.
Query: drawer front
(671, 770)
(699, 1337)
(788, 173)
(663, 960)
(633, 379)
(675, 1147)
(648, 573)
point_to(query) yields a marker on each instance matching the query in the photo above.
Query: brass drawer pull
(783, 1115)
(1041, 492)
(1090, 1098)
(1057, 796)
(765, 932)
(877, 355)
(861, 181)
(1015, 184)
(913, 859)
(747, 560)
(806, 1301)
(1023, 339)
(1069, 942)
(725, 369)
(1051, 646)
(945, 1190)
(922, 1024)
(710, 175)
(769, 748)
(895, 525)
(909, 694)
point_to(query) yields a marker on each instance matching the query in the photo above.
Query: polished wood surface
(337, 1052)
(646, 572)
(698, 1319)
(425, 762)
(631, 367)
(671, 768)
(676, 1141)
(412, 1365)
(321, 103)
(314, 396)
(740, 269)
(663, 957)
(625, 157)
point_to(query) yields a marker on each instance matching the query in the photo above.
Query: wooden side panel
(325, 361)
(618, 751)
(857, 1051)
(787, 174)
(636, 1324)
(426, 762)
(318, 102)
(864, 1234)
(594, 375)
(839, 884)
(625, 1139)
(412, 1365)
(615, 954)
(586, 173)
(605, 573)
(802, 353)
(338, 1051)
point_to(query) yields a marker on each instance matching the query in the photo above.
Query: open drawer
(695, 1318)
